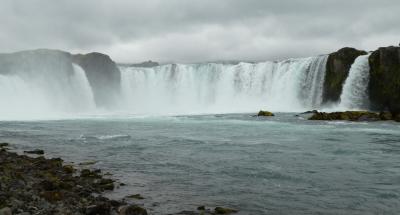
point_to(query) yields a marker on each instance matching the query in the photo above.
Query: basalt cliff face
(384, 84)
(383, 88)
(337, 70)
(103, 75)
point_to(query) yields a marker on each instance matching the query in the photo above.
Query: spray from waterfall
(45, 93)
(355, 89)
(85, 98)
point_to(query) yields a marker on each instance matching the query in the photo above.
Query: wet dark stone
(36, 151)
(384, 81)
(4, 144)
(44, 186)
(221, 210)
(133, 210)
(102, 208)
(136, 196)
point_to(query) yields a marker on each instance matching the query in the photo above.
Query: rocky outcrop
(337, 70)
(348, 116)
(103, 75)
(264, 113)
(384, 84)
(36, 185)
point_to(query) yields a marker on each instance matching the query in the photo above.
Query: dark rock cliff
(103, 75)
(337, 70)
(384, 84)
(146, 64)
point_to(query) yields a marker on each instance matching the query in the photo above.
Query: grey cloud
(201, 30)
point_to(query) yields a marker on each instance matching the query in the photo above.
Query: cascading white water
(355, 89)
(312, 85)
(85, 99)
(43, 93)
(46, 84)
(290, 85)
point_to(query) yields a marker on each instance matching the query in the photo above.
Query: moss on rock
(265, 113)
(347, 115)
(385, 115)
(68, 169)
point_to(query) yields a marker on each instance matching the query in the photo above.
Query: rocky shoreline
(34, 184)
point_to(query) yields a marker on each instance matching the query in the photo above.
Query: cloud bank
(201, 30)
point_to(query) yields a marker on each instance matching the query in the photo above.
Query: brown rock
(264, 113)
(133, 210)
(221, 210)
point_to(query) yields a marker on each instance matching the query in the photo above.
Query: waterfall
(80, 84)
(355, 89)
(42, 91)
(42, 84)
(312, 86)
(290, 85)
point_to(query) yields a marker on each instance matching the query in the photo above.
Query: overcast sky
(199, 30)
